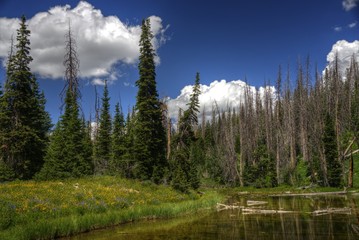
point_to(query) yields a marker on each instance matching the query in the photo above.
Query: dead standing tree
(72, 67)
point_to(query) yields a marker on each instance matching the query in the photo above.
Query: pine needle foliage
(149, 133)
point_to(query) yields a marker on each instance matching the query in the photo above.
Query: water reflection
(302, 223)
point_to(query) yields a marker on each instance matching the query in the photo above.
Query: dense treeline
(296, 135)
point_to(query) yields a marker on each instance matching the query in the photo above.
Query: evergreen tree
(331, 152)
(87, 166)
(118, 163)
(128, 162)
(185, 157)
(103, 139)
(69, 152)
(150, 138)
(24, 123)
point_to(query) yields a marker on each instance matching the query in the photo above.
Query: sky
(226, 41)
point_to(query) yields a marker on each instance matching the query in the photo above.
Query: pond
(253, 217)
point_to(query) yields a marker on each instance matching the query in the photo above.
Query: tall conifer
(331, 153)
(103, 139)
(185, 172)
(118, 142)
(24, 123)
(150, 138)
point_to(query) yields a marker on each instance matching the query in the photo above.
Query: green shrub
(7, 212)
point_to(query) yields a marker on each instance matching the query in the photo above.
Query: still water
(299, 217)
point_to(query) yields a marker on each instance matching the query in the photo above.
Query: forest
(305, 132)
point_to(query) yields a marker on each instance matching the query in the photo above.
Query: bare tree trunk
(169, 127)
(351, 169)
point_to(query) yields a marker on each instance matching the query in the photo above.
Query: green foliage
(118, 163)
(24, 123)
(103, 139)
(331, 153)
(69, 154)
(318, 176)
(180, 168)
(300, 176)
(7, 213)
(149, 133)
(6, 173)
(261, 174)
(187, 153)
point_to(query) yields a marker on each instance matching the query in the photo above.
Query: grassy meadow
(43, 210)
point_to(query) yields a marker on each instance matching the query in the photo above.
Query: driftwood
(255, 203)
(221, 207)
(308, 194)
(264, 211)
(255, 210)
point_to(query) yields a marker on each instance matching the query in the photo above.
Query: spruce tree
(150, 138)
(69, 154)
(129, 162)
(331, 152)
(24, 123)
(103, 139)
(118, 165)
(185, 157)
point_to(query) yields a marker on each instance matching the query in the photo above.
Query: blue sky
(224, 39)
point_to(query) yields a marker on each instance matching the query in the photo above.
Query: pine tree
(150, 138)
(103, 139)
(185, 167)
(24, 123)
(68, 155)
(118, 163)
(331, 153)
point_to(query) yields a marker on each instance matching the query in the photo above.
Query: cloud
(221, 94)
(349, 4)
(345, 51)
(102, 41)
(98, 81)
(338, 29)
(352, 25)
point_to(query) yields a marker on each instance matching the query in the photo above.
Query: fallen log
(255, 203)
(221, 207)
(308, 194)
(264, 211)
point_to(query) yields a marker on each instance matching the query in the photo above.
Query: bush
(7, 212)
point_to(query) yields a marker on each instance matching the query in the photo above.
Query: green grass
(43, 210)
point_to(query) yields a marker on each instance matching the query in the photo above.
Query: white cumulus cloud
(349, 4)
(345, 51)
(221, 94)
(102, 41)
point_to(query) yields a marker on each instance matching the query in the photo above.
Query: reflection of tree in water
(355, 226)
